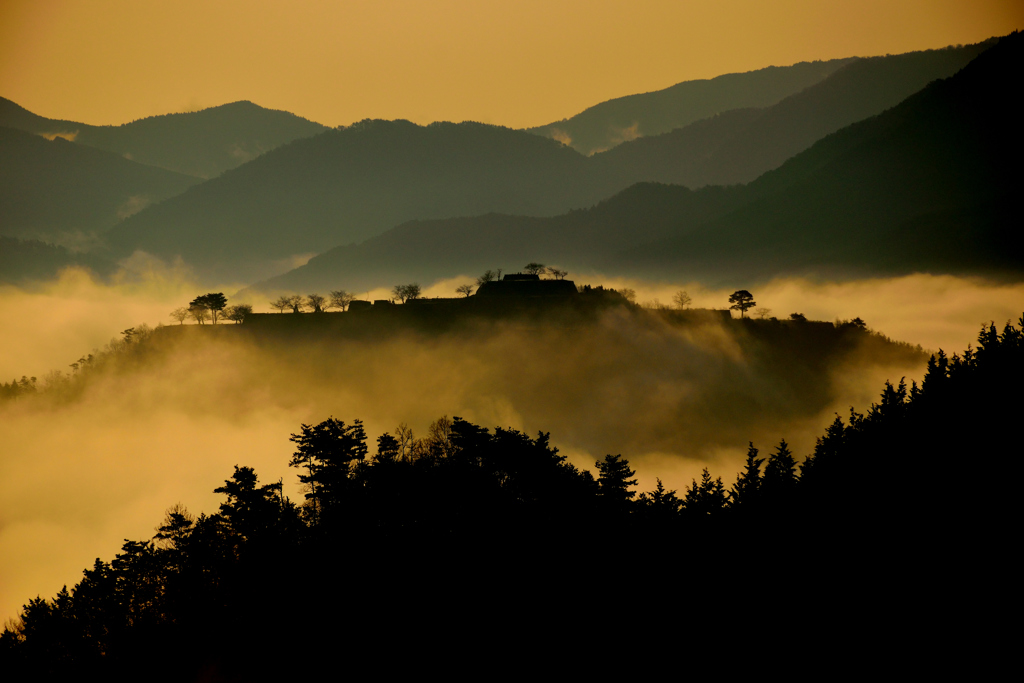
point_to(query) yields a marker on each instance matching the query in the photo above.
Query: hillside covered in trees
(399, 532)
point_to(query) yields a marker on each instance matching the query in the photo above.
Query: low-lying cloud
(67, 135)
(935, 311)
(83, 469)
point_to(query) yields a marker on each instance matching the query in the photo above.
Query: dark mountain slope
(923, 186)
(351, 183)
(25, 261)
(610, 123)
(928, 185)
(738, 146)
(203, 143)
(428, 250)
(48, 187)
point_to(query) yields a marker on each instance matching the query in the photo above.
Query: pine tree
(779, 480)
(746, 491)
(328, 452)
(614, 479)
(827, 451)
(661, 503)
(706, 498)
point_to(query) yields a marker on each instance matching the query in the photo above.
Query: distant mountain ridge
(434, 249)
(738, 146)
(203, 143)
(928, 185)
(605, 125)
(49, 187)
(352, 183)
(26, 261)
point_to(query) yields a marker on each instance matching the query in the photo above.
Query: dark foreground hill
(202, 144)
(470, 531)
(54, 186)
(926, 185)
(611, 123)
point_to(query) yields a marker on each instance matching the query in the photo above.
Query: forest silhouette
(417, 533)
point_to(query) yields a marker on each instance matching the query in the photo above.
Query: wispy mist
(935, 311)
(85, 468)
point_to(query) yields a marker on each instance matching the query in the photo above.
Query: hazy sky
(520, 63)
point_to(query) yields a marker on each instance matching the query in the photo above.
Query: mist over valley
(768, 321)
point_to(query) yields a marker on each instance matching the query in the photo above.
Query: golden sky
(512, 62)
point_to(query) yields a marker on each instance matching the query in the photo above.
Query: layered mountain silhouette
(350, 184)
(203, 143)
(611, 123)
(929, 185)
(738, 146)
(926, 185)
(428, 250)
(50, 187)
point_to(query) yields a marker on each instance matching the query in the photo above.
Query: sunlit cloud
(935, 311)
(132, 206)
(82, 473)
(626, 134)
(69, 136)
(560, 135)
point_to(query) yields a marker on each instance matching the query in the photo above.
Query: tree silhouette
(682, 300)
(660, 504)
(387, 449)
(180, 314)
(341, 299)
(534, 268)
(706, 498)
(327, 451)
(281, 303)
(199, 313)
(406, 292)
(316, 302)
(238, 312)
(742, 301)
(822, 463)
(251, 510)
(746, 491)
(465, 290)
(779, 479)
(214, 303)
(614, 479)
(488, 276)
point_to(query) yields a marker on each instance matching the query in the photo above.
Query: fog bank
(85, 468)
